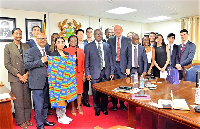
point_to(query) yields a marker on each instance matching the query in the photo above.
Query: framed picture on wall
(6, 26)
(30, 23)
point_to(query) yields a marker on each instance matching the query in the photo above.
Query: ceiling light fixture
(159, 18)
(121, 10)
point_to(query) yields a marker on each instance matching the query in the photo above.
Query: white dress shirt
(133, 47)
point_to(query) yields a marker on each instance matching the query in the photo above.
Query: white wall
(166, 27)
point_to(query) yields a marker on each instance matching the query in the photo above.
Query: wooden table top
(4, 89)
(185, 90)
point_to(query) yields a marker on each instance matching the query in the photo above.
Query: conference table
(6, 118)
(150, 116)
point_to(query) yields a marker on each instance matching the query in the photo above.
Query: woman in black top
(161, 56)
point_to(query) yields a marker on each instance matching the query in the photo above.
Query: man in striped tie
(98, 68)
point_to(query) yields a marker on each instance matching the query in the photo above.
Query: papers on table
(163, 74)
(127, 89)
(5, 96)
(180, 104)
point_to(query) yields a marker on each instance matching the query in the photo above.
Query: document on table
(180, 104)
(163, 75)
(5, 96)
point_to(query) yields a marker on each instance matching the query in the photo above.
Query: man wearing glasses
(35, 60)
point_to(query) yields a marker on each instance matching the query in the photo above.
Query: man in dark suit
(89, 33)
(35, 60)
(98, 68)
(121, 56)
(186, 52)
(139, 57)
(32, 42)
(107, 34)
(173, 48)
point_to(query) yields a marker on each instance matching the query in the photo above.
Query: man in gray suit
(121, 56)
(139, 57)
(186, 52)
(98, 68)
(35, 60)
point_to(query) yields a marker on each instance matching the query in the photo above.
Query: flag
(44, 24)
(100, 24)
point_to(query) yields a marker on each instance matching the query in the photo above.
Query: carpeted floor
(86, 121)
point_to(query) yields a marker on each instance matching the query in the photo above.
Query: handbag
(172, 75)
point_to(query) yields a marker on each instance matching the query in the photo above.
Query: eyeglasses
(42, 38)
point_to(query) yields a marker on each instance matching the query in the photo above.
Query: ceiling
(145, 8)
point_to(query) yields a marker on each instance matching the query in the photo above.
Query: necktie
(43, 50)
(118, 50)
(181, 52)
(170, 48)
(100, 54)
(135, 57)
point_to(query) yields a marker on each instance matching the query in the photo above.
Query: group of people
(97, 60)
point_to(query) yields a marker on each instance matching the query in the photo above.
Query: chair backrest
(189, 72)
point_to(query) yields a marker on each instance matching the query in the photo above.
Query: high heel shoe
(80, 111)
(73, 113)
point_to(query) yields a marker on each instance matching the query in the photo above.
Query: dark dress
(160, 58)
(56, 53)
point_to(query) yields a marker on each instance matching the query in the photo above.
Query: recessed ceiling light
(159, 18)
(121, 10)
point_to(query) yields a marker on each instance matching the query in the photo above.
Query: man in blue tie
(186, 52)
(98, 68)
(173, 50)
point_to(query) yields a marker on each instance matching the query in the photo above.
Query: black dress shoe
(49, 113)
(47, 123)
(97, 113)
(87, 105)
(105, 112)
(114, 108)
(124, 108)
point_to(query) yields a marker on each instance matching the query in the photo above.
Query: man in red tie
(186, 52)
(121, 56)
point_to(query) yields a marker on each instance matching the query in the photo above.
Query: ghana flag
(62, 80)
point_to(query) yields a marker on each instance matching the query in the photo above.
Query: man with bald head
(35, 60)
(121, 56)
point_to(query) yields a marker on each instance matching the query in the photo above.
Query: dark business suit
(186, 57)
(38, 83)
(93, 68)
(174, 55)
(14, 63)
(142, 61)
(32, 43)
(125, 60)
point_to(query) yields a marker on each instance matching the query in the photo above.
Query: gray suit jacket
(37, 69)
(187, 54)
(13, 61)
(92, 60)
(142, 59)
(125, 52)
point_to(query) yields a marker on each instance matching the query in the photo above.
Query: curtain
(193, 27)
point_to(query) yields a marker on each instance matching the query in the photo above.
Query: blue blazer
(174, 55)
(37, 69)
(187, 54)
(142, 59)
(32, 43)
(92, 61)
(125, 52)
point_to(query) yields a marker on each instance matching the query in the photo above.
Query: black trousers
(100, 100)
(85, 92)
